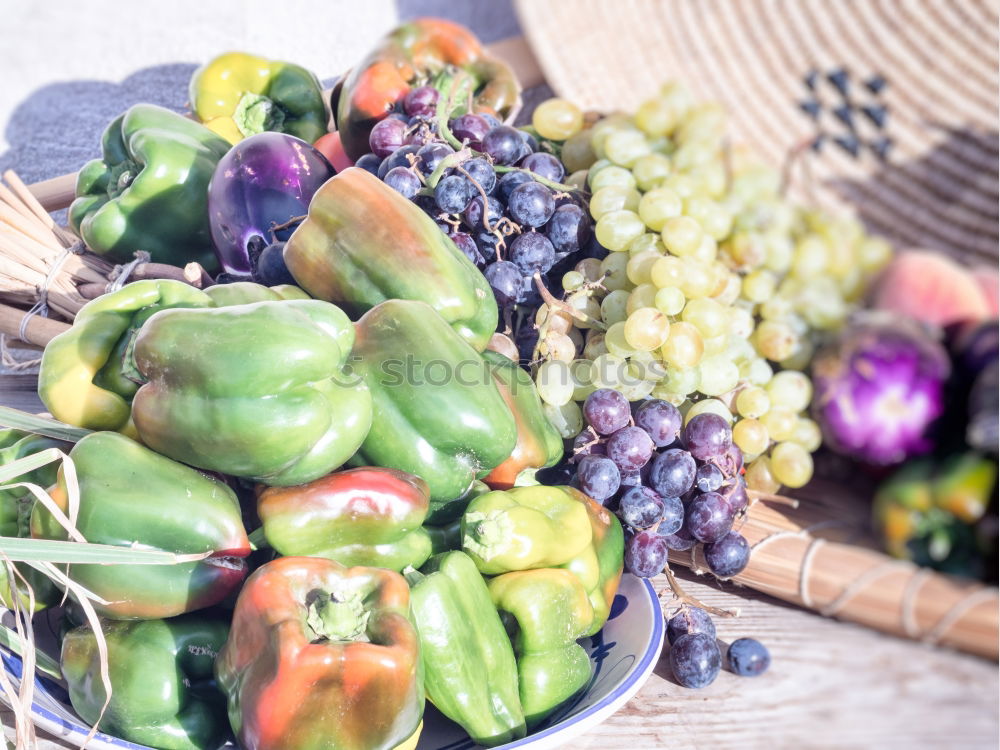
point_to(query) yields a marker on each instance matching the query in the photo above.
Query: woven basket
(927, 70)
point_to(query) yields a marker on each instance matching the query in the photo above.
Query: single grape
(661, 421)
(398, 158)
(467, 245)
(482, 175)
(453, 194)
(369, 163)
(790, 389)
(430, 155)
(690, 620)
(681, 540)
(270, 268)
(598, 477)
(532, 252)
(617, 229)
(386, 136)
(736, 496)
(588, 443)
(544, 165)
(646, 328)
(509, 181)
(557, 119)
(531, 204)
(630, 448)
(672, 518)
(709, 517)
(473, 214)
(503, 144)
(470, 129)
(421, 100)
(569, 229)
(529, 144)
(751, 436)
(792, 465)
(695, 660)
(632, 478)
(708, 436)
(403, 181)
(607, 411)
(505, 280)
(645, 554)
(708, 478)
(672, 473)
(753, 402)
(640, 507)
(748, 657)
(728, 555)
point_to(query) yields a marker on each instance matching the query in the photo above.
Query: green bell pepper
(15, 513)
(551, 610)
(438, 413)
(599, 566)
(367, 516)
(238, 95)
(526, 527)
(256, 391)
(133, 497)
(149, 190)
(81, 380)
(245, 292)
(163, 692)
(469, 670)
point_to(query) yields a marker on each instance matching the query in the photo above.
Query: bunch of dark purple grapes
(673, 487)
(491, 201)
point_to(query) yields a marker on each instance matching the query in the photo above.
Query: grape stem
(444, 106)
(558, 186)
(558, 304)
(685, 598)
(772, 498)
(274, 228)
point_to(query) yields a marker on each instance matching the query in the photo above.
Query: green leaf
(47, 550)
(22, 420)
(29, 463)
(43, 662)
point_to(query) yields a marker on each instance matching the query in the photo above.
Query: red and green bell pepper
(322, 656)
(363, 243)
(366, 516)
(131, 496)
(423, 51)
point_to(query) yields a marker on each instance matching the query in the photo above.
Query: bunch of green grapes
(715, 288)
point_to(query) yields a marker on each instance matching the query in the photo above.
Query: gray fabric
(52, 123)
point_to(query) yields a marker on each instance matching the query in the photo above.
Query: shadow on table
(58, 127)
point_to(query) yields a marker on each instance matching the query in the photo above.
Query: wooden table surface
(831, 684)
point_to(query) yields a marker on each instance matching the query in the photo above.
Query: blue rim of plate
(55, 692)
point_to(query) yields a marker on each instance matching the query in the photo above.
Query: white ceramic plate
(622, 656)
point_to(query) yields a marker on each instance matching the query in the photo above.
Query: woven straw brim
(937, 187)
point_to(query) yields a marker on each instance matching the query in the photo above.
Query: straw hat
(895, 100)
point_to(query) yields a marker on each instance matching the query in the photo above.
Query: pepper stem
(256, 114)
(487, 534)
(334, 618)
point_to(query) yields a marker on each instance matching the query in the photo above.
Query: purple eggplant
(265, 180)
(880, 390)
